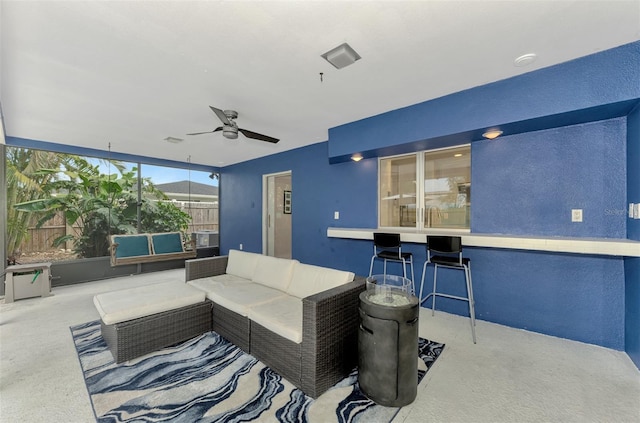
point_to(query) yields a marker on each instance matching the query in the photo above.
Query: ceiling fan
(230, 127)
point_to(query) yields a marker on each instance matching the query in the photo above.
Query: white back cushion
(242, 264)
(274, 272)
(308, 280)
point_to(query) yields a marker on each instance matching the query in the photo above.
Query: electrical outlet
(336, 215)
(240, 246)
(576, 215)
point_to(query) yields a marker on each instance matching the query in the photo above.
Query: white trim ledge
(597, 246)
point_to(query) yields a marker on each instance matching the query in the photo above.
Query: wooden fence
(204, 216)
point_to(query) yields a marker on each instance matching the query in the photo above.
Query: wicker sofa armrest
(205, 267)
(330, 336)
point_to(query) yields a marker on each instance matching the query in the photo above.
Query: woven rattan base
(277, 352)
(232, 326)
(137, 337)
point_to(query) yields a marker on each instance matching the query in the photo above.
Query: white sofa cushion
(274, 272)
(133, 303)
(215, 282)
(282, 316)
(308, 280)
(239, 297)
(242, 264)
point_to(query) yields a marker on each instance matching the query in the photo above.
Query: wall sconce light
(356, 157)
(492, 134)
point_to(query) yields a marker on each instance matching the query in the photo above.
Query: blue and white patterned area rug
(207, 379)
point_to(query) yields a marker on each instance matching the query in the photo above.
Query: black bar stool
(388, 247)
(446, 251)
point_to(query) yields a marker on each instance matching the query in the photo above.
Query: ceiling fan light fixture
(230, 132)
(341, 56)
(230, 128)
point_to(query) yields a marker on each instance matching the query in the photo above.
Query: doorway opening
(277, 210)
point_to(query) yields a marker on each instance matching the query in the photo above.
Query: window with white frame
(438, 199)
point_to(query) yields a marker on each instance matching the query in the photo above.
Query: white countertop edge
(598, 246)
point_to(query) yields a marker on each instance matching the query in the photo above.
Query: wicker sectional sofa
(298, 319)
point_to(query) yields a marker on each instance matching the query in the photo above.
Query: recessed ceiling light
(174, 140)
(492, 134)
(457, 155)
(356, 157)
(525, 59)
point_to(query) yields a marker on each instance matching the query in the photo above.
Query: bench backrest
(167, 243)
(131, 245)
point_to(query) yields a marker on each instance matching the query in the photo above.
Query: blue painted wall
(632, 309)
(318, 189)
(527, 184)
(632, 265)
(595, 87)
(633, 168)
(522, 289)
(584, 164)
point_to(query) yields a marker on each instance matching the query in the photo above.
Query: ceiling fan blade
(221, 115)
(207, 132)
(256, 136)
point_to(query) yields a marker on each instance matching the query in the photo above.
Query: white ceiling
(131, 73)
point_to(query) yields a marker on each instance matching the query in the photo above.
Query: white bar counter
(597, 246)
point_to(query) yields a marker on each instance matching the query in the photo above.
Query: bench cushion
(282, 316)
(167, 243)
(131, 245)
(133, 303)
(309, 280)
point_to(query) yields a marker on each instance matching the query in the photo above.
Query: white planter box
(27, 281)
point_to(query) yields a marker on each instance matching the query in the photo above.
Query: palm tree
(24, 183)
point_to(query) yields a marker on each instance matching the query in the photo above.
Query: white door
(277, 210)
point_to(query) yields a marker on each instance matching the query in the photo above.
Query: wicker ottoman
(145, 319)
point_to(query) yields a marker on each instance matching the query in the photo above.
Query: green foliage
(98, 205)
(163, 216)
(24, 183)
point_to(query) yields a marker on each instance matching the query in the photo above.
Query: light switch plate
(636, 211)
(336, 215)
(576, 215)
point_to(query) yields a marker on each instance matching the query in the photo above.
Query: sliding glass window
(439, 199)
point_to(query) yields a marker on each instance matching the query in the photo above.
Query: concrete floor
(510, 375)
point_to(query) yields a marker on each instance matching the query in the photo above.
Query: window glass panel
(64, 206)
(438, 199)
(398, 191)
(447, 188)
(192, 192)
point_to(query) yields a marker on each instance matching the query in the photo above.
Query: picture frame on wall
(287, 202)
